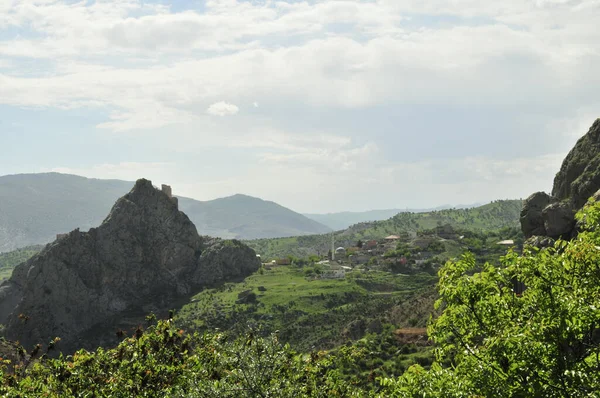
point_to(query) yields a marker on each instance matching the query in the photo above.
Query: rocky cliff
(578, 179)
(144, 257)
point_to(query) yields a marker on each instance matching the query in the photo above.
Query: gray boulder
(540, 241)
(532, 221)
(145, 255)
(559, 220)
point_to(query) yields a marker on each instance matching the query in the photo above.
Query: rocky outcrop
(579, 175)
(578, 179)
(559, 219)
(532, 222)
(145, 256)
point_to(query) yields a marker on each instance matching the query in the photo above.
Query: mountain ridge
(35, 207)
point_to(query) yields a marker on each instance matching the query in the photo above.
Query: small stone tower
(167, 189)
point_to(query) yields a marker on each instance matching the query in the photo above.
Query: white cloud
(155, 67)
(222, 108)
(153, 72)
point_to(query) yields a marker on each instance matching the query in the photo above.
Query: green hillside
(311, 313)
(242, 216)
(492, 216)
(36, 207)
(345, 219)
(9, 260)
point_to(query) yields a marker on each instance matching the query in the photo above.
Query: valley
(376, 296)
(299, 199)
(449, 300)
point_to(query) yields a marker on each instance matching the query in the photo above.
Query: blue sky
(320, 106)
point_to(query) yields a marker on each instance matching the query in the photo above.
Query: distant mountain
(35, 207)
(343, 220)
(246, 217)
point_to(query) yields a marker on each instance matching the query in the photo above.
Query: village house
(446, 231)
(352, 250)
(359, 258)
(424, 241)
(507, 242)
(335, 274)
(370, 244)
(340, 251)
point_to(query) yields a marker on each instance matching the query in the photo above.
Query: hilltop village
(403, 253)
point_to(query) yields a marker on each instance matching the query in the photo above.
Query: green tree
(543, 343)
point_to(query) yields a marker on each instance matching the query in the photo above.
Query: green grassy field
(309, 313)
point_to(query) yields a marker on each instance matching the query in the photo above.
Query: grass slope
(309, 314)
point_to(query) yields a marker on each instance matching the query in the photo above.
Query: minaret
(332, 248)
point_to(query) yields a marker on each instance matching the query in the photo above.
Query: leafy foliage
(545, 342)
(165, 361)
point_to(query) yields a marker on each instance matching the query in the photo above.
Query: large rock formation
(145, 256)
(577, 180)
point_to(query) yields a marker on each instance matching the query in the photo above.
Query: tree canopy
(544, 342)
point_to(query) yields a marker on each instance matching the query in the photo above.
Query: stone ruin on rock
(166, 189)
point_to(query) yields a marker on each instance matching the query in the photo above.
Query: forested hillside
(344, 219)
(493, 216)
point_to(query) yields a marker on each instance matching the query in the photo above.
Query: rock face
(532, 222)
(145, 256)
(577, 180)
(579, 175)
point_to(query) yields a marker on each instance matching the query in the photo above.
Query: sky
(319, 105)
